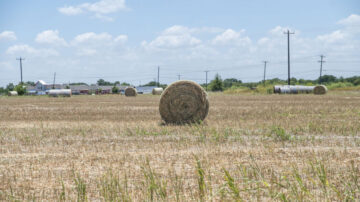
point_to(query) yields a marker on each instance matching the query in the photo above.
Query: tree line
(217, 84)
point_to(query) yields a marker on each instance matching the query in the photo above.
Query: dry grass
(251, 147)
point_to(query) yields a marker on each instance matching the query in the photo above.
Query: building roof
(30, 88)
(79, 87)
(42, 82)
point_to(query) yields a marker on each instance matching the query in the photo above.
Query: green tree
(230, 82)
(216, 84)
(115, 90)
(328, 79)
(357, 82)
(102, 82)
(20, 89)
(125, 84)
(10, 87)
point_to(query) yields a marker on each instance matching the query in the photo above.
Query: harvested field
(250, 147)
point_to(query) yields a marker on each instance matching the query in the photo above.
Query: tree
(115, 90)
(230, 82)
(328, 79)
(20, 89)
(357, 82)
(10, 87)
(30, 83)
(125, 84)
(216, 84)
(102, 82)
(151, 83)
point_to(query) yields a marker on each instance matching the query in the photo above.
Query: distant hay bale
(59, 93)
(157, 91)
(130, 91)
(320, 90)
(183, 102)
(12, 93)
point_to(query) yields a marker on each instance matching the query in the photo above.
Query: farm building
(145, 89)
(80, 89)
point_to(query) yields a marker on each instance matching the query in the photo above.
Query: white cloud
(50, 37)
(352, 20)
(86, 52)
(98, 9)
(348, 34)
(121, 39)
(28, 50)
(173, 37)
(20, 48)
(332, 37)
(231, 37)
(70, 10)
(7, 35)
(105, 6)
(92, 37)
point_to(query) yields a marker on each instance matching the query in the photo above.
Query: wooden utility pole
(21, 76)
(265, 70)
(321, 63)
(288, 41)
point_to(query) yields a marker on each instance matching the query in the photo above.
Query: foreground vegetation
(114, 148)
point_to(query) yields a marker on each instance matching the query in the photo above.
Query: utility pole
(179, 76)
(21, 59)
(158, 79)
(54, 81)
(265, 70)
(206, 78)
(321, 63)
(288, 40)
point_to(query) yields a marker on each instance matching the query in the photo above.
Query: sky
(127, 40)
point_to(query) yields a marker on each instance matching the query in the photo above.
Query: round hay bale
(130, 91)
(320, 90)
(183, 102)
(157, 91)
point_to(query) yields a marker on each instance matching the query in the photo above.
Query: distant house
(42, 87)
(145, 89)
(31, 90)
(80, 89)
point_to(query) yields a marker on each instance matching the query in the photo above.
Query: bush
(216, 84)
(20, 89)
(115, 90)
(339, 85)
(237, 89)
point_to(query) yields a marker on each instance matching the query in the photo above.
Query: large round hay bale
(320, 90)
(157, 91)
(184, 102)
(130, 91)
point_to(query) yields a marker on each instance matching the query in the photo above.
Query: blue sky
(126, 40)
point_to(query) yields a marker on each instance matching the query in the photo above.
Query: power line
(288, 40)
